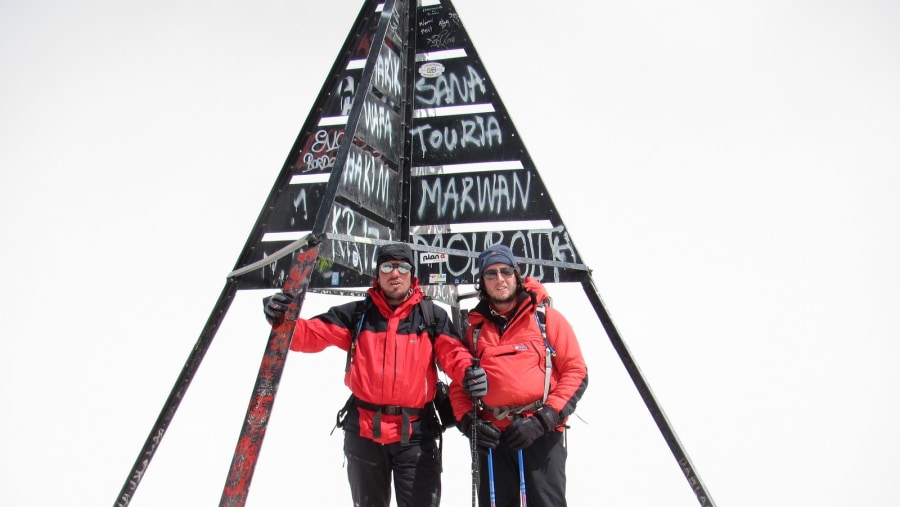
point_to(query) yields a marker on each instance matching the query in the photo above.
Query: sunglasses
(387, 267)
(494, 273)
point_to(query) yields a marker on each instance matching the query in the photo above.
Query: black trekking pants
(545, 474)
(415, 467)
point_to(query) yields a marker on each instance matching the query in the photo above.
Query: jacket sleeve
(570, 368)
(459, 400)
(331, 328)
(452, 354)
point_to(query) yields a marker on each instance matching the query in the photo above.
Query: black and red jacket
(393, 362)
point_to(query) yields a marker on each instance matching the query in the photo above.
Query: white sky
(729, 170)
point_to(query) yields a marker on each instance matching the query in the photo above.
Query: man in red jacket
(389, 424)
(522, 418)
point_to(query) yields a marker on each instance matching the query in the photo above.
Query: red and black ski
(263, 398)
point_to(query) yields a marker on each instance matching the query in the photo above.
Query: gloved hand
(523, 432)
(487, 436)
(275, 305)
(475, 382)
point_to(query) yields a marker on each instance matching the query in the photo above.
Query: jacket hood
(536, 288)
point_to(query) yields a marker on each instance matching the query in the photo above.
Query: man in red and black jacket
(536, 378)
(389, 424)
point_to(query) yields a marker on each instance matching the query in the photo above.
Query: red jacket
(393, 363)
(515, 362)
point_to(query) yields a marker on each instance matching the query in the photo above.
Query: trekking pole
(491, 477)
(524, 500)
(474, 442)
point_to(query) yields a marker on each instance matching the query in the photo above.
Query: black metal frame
(335, 254)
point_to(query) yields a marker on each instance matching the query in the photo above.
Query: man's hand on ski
(475, 383)
(275, 305)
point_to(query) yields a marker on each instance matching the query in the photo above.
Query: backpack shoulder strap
(475, 333)
(427, 308)
(540, 315)
(356, 324)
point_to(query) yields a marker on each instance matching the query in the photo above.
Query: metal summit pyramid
(408, 141)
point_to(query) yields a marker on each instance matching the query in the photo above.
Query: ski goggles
(387, 267)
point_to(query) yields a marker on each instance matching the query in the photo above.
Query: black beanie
(496, 254)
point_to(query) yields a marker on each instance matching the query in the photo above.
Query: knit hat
(395, 252)
(496, 254)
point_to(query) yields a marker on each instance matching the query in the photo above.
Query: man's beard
(508, 299)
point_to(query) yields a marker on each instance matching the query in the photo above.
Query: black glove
(475, 383)
(523, 432)
(275, 305)
(487, 436)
